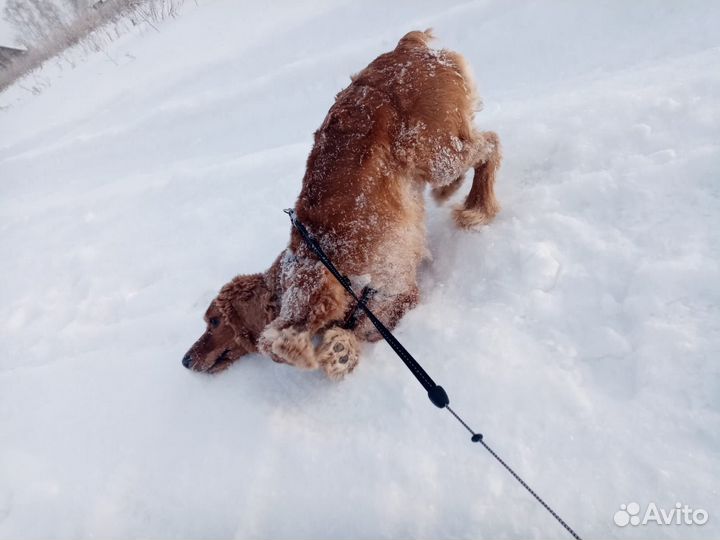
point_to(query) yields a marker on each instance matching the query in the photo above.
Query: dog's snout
(187, 359)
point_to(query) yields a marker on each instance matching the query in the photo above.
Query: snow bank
(579, 332)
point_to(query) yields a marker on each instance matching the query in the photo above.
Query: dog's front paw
(338, 353)
(288, 346)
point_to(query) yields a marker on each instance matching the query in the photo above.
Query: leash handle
(436, 393)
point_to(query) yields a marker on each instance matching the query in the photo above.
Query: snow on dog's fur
(405, 121)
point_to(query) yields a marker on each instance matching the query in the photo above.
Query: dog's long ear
(248, 304)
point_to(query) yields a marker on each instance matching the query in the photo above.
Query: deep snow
(579, 332)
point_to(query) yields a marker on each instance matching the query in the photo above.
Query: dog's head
(234, 321)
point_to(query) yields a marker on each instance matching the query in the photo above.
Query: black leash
(351, 320)
(436, 393)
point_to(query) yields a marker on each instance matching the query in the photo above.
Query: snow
(580, 331)
(7, 33)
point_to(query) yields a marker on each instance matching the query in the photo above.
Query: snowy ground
(580, 331)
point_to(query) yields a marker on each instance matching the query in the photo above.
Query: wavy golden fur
(404, 122)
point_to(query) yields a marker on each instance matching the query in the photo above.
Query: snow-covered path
(580, 331)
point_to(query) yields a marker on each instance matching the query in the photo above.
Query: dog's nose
(186, 360)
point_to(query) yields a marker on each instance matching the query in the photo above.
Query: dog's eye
(214, 322)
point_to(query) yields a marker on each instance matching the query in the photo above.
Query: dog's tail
(415, 38)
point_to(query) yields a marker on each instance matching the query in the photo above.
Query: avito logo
(681, 514)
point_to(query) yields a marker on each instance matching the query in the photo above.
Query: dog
(405, 121)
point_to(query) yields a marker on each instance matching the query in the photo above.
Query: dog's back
(432, 89)
(384, 137)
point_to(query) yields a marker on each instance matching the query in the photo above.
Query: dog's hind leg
(443, 193)
(338, 353)
(481, 206)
